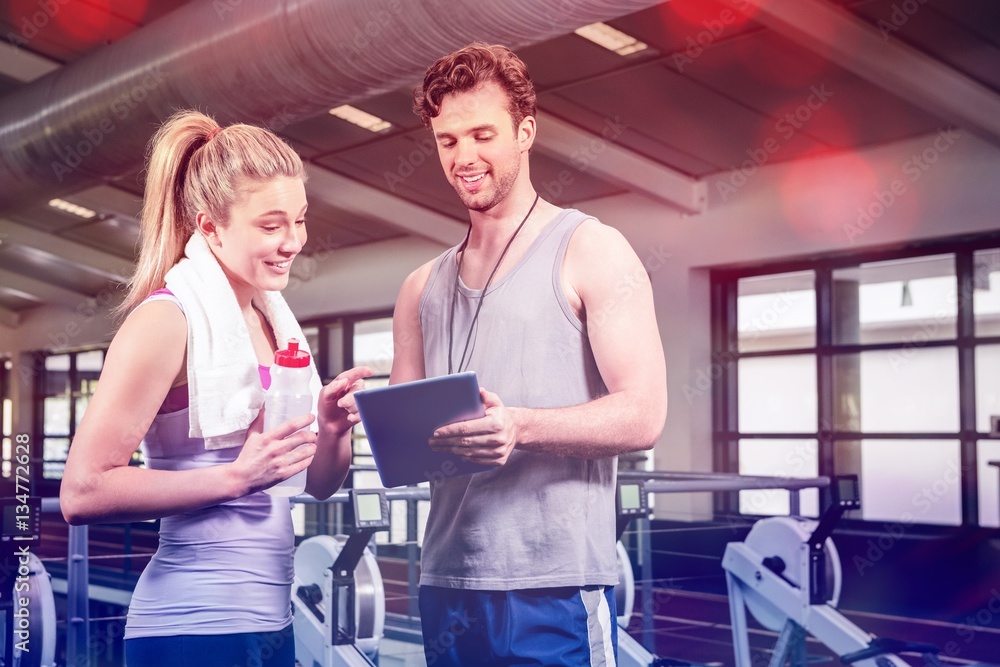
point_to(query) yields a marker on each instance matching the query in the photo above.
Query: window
(68, 382)
(366, 340)
(6, 418)
(873, 364)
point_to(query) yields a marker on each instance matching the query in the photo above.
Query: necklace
(482, 296)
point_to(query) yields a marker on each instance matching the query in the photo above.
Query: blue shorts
(542, 626)
(246, 649)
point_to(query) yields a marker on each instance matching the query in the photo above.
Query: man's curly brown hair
(468, 68)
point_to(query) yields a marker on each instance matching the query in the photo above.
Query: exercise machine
(338, 594)
(787, 573)
(632, 502)
(27, 604)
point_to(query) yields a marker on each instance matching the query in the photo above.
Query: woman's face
(266, 230)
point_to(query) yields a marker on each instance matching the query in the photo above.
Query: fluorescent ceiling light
(73, 209)
(611, 38)
(360, 118)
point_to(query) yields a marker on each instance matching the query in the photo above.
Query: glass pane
(911, 481)
(56, 415)
(373, 345)
(312, 337)
(362, 449)
(908, 300)
(90, 362)
(777, 394)
(897, 391)
(335, 347)
(988, 451)
(367, 479)
(986, 297)
(55, 449)
(776, 312)
(299, 519)
(987, 387)
(778, 458)
(53, 470)
(81, 406)
(57, 375)
(423, 508)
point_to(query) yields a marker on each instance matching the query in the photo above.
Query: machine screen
(847, 491)
(369, 507)
(630, 497)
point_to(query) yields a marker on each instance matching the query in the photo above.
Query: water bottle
(288, 396)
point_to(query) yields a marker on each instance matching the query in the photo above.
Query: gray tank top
(540, 520)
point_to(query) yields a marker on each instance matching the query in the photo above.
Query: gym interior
(812, 187)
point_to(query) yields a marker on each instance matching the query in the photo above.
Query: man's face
(479, 149)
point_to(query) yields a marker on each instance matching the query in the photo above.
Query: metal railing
(77, 607)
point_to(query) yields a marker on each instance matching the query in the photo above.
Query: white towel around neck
(224, 390)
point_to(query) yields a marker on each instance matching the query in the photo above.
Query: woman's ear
(203, 221)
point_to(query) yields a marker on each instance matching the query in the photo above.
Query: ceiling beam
(110, 266)
(367, 201)
(9, 318)
(874, 54)
(41, 290)
(599, 155)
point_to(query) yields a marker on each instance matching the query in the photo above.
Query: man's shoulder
(593, 235)
(414, 284)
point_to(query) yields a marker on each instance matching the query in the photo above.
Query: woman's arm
(145, 357)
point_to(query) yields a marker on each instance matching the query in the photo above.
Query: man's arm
(605, 278)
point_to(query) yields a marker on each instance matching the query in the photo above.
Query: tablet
(400, 419)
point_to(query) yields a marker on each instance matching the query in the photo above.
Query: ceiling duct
(270, 62)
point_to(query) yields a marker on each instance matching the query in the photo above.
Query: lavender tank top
(540, 520)
(219, 570)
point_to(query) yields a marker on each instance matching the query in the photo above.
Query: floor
(695, 627)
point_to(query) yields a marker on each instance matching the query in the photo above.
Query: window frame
(50, 486)
(724, 282)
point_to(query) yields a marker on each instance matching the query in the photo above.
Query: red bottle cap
(293, 357)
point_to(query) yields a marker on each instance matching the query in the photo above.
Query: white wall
(763, 213)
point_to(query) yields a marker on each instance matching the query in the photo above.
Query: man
(554, 312)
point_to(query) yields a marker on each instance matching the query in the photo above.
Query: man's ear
(206, 225)
(526, 133)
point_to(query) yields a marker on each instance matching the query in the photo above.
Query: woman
(223, 218)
